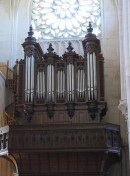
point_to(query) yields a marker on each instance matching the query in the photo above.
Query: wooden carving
(62, 98)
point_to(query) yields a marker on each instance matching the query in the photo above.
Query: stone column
(124, 36)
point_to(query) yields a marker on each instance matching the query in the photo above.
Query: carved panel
(63, 137)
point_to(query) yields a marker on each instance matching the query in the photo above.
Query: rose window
(64, 18)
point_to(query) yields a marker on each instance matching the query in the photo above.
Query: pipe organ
(58, 108)
(62, 82)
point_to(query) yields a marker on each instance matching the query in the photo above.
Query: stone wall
(5, 31)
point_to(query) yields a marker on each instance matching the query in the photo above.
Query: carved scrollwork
(29, 51)
(50, 49)
(28, 112)
(71, 109)
(96, 108)
(68, 138)
(60, 65)
(93, 109)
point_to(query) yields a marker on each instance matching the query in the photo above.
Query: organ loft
(58, 112)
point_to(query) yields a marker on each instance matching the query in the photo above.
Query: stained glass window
(64, 18)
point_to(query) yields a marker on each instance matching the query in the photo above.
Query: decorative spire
(50, 49)
(30, 37)
(90, 29)
(70, 48)
(30, 33)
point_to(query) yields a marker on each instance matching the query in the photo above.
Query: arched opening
(8, 166)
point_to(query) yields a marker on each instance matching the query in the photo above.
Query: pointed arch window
(64, 18)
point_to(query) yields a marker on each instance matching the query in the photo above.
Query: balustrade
(4, 131)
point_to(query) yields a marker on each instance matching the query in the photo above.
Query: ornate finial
(50, 49)
(90, 29)
(70, 48)
(30, 33)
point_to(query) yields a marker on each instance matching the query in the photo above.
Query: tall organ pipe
(92, 80)
(80, 83)
(60, 84)
(29, 79)
(70, 82)
(50, 83)
(40, 85)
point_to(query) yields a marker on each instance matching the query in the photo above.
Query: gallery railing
(4, 133)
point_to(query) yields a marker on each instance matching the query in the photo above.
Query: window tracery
(64, 18)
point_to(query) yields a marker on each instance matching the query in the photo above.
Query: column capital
(123, 108)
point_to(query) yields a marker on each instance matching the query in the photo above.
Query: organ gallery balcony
(70, 137)
(85, 149)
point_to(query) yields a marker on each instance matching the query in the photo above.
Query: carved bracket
(28, 111)
(103, 110)
(50, 110)
(92, 109)
(97, 109)
(71, 109)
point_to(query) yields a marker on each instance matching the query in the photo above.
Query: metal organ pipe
(41, 88)
(63, 76)
(52, 77)
(72, 70)
(81, 83)
(28, 74)
(50, 83)
(83, 91)
(32, 78)
(60, 84)
(29, 79)
(43, 81)
(26, 81)
(80, 86)
(40, 85)
(78, 83)
(70, 82)
(95, 75)
(92, 81)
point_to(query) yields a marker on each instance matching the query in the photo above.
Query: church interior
(64, 88)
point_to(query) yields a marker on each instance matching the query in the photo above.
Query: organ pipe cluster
(95, 74)
(69, 79)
